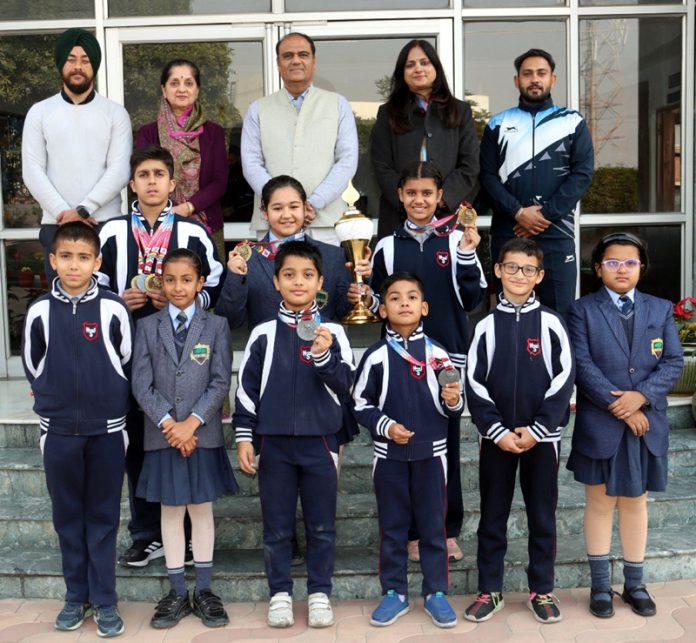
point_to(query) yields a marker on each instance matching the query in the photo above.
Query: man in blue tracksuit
(537, 162)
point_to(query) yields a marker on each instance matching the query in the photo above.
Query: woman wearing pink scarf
(197, 145)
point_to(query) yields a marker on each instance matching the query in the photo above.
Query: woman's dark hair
(421, 170)
(620, 239)
(184, 254)
(401, 101)
(179, 62)
(278, 182)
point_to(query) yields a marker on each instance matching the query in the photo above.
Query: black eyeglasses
(510, 268)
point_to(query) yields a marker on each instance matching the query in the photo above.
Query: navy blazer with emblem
(605, 362)
(196, 383)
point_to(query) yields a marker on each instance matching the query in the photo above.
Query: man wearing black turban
(76, 144)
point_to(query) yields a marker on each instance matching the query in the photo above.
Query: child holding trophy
(444, 257)
(294, 370)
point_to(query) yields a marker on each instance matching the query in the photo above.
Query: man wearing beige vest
(306, 132)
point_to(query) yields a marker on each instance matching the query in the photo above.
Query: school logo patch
(443, 258)
(656, 346)
(200, 354)
(533, 346)
(306, 354)
(90, 331)
(418, 371)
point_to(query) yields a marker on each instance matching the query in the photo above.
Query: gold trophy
(354, 231)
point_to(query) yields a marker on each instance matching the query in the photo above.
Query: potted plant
(685, 318)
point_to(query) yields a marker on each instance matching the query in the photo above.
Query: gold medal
(466, 215)
(153, 282)
(134, 282)
(244, 250)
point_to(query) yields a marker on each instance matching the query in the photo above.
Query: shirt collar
(174, 311)
(291, 317)
(534, 108)
(631, 294)
(299, 236)
(416, 334)
(297, 102)
(67, 99)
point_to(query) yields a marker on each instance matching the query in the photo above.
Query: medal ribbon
(429, 359)
(269, 249)
(437, 223)
(302, 315)
(152, 248)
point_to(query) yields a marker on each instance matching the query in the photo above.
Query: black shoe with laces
(141, 552)
(208, 607)
(170, 610)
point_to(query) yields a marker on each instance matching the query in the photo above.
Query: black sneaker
(544, 608)
(170, 610)
(485, 605)
(188, 554)
(141, 552)
(208, 607)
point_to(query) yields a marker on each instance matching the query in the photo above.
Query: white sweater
(77, 155)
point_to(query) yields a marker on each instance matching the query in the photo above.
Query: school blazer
(604, 363)
(198, 383)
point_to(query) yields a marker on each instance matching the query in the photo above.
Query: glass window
(357, 5)
(185, 7)
(26, 280)
(231, 78)
(27, 75)
(630, 95)
(664, 257)
(597, 3)
(46, 9)
(489, 71)
(488, 4)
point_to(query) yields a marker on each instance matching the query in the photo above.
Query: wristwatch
(82, 212)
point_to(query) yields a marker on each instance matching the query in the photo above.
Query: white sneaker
(280, 611)
(320, 613)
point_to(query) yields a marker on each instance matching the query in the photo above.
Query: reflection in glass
(185, 7)
(356, 5)
(664, 254)
(598, 3)
(26, 280)
(630, 94)
(231, 78)
(487, 4)
(27, 75)
(46, 9)
(489, 71)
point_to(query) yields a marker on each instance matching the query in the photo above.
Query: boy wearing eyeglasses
(520, 374)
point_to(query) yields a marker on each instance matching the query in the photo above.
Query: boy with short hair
(406, 391)
(520, 374)
(294, 370)
(133, 248)
(76, 352)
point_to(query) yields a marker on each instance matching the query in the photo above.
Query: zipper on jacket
(517, 347)
(77, 370)
(533, 153)
(293, 358)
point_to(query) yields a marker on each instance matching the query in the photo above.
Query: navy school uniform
(453, 282)
(76, 355)
(287, 403)
(409, 480)
(520, 372)
(642, 353)
(179, 375)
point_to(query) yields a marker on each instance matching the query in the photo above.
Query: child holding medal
(628, 357)
(182, 374)
(294, 370)
(445, 259)
(406, 391)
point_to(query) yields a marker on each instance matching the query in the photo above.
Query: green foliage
(364, 126)
(46, 9)
(613, 189)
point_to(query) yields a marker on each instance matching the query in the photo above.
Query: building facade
(627, 65)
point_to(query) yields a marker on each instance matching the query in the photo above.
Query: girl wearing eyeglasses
(628, 356)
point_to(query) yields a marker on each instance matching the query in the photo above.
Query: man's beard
(78, 86)
(535, 98)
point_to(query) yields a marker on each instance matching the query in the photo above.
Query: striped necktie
(626, 306)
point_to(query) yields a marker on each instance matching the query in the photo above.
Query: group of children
(298, 392)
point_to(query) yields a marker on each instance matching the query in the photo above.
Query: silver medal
(448, 376)
(306, 328)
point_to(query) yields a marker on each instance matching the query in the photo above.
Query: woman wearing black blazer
(421, 120)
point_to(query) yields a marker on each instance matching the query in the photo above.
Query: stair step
(239, 575)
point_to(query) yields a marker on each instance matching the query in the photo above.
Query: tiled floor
(32, 620)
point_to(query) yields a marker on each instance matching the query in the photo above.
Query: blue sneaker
(72, 616)
(391, 608)
(108, 620)
(439, 609)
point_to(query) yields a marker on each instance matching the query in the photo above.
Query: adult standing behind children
(196, 144)
(76, 144)
(421, 120)
(303, 131)
(76, 351)
(537, 162)
(133, 249)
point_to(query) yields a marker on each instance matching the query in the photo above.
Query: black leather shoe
(642, 604)
(208, 607)
(601, 607)
(170, 610)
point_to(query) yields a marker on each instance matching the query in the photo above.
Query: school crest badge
(656, 346)
(443, 258)
(200, 354)
(90, 331)
(533, 346)
(418, 371)
(306, 354)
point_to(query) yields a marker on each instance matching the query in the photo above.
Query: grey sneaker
(72, 616)
(108, 620)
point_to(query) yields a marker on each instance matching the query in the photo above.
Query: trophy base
(360, 315)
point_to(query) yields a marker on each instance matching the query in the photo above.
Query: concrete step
(239, 575)
(21, 470)
(26, 521)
